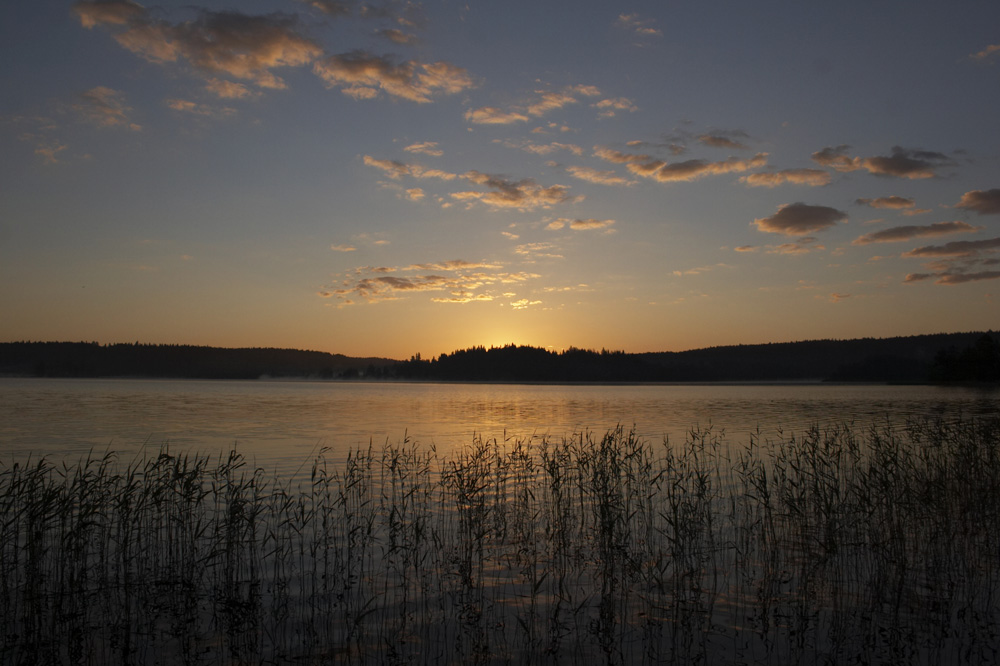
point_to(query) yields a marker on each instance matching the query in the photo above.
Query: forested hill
(942, 357)
(90, 359)
(953, 356)
(947, 357)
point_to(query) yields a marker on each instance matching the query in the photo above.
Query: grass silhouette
(851, 545)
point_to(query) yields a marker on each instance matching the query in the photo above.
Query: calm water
(281, 425)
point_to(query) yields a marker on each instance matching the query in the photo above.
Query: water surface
(282, 424)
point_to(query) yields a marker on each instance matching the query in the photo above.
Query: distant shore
(924, 359)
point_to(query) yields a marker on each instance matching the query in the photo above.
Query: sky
(394, 178)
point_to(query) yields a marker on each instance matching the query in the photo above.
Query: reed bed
(850, 545)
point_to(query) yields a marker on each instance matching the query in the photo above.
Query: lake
(281, 425)
(845, 546)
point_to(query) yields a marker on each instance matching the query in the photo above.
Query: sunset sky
(392, 178)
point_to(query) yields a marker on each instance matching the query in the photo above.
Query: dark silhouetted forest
(913, 359)
(90, 359)
(946, 357)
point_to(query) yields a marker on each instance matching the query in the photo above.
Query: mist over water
(281, 425)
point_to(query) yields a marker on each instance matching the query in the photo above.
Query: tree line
(951, 357)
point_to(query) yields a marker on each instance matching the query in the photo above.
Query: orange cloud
(107, 12)
(490, 115)
(519, 195)
(543, 148)
(798, 219)
(106, 107)
(427, 148)
(948, 278)
(801, 246)
(810, 177)
(887, 202)
(362, 75)
(901, 163)
(984, 202)
(464, 282)
(228, 89)
(395, 170)
(598, 177)
(546, 101)
(905, 233)
(720, 141)
(955, 248)
(986, 53)
(608, 108)
(690, 170)
(194, 108)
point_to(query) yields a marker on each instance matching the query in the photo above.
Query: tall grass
(851, 545)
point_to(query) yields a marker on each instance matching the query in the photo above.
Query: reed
(850, 545)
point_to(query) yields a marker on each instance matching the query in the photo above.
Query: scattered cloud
(415, 194)
(640, 26)
(836, 298)
(810, 177)
(463, 297)
(803, 245)
(426, 147)
(229, 89)
(836, 157)
(251, 48)
(523, 195)
(901, 163)
(608, 108)
(49, 152)
(955, 249)
(690, 170)
(987, 52)
(722, 141)
(896, 234)
(397, 36)
(544, 103)
(343, 248)
(699, 270)
(598, 177)
(363, 75)
(455, 281)
(185, 106)
(543, 148)
(984, 202)
(798, 219)
(451, 265)
(618, 157)
(239, 45)
(913, 164)
(549, 101)
(332, 7)
(580, 225)
(533, 251)
(108, 12)
(664, 172)
(887, 202)
(396, 170)
(105, 107)
(745, 248)
(491, 115)
(974, 266)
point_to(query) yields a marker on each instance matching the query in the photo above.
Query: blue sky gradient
(401, 177)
